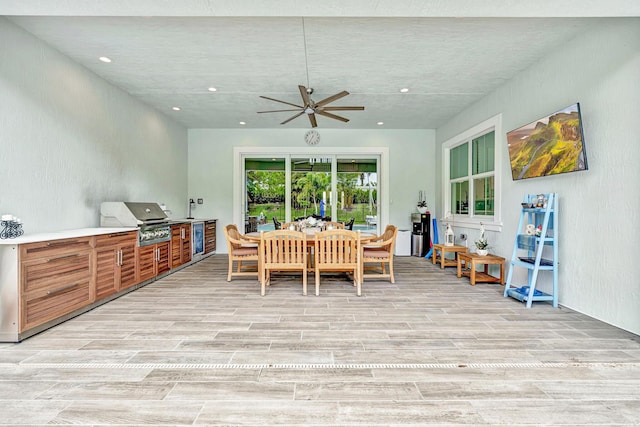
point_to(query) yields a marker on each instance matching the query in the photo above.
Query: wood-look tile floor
(193, 349)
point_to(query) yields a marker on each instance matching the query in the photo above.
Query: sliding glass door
(265, 193)
(293, 186)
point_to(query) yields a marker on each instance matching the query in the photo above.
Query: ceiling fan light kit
(311, 108)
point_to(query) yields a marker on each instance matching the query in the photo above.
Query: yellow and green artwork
(551, 145)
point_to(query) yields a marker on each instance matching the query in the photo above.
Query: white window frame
(239, 154)
(471, 220)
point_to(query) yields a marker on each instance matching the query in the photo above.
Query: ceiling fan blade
(341, 108)
(284, 102)
(305, 95)
(312, 119)
(277, 111)
(293, 117)
(332, 98)
(332, 116)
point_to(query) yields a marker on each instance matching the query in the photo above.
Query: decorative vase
(482, 252)
(422, 209)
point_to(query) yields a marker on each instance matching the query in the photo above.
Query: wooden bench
(443, 249)
(471, 260)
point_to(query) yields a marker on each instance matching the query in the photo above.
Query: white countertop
(64, 234)
(192, 220)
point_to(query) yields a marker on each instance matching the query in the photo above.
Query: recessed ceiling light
(380, 123)
(404, 90)
(104, 59)
(212, 89)
(176, 108)
(243, 123)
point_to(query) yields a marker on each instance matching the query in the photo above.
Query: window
(344, 183)
(472, 176)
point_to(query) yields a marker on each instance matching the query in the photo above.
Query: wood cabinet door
(186, 243)
(163, 263)
(176, 246)
(180, 244)
(128, 276)
(146, 262)
(106, 271)
(209, 236)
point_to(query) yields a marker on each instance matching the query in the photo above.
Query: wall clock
(312, 137)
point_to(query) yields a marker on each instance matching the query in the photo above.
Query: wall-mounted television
(548, 146)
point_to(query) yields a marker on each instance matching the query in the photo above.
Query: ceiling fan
(311, 108)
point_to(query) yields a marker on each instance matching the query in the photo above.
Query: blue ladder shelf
(528, 250)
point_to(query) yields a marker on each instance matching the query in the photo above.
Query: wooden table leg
(433, 256)
(502, 273)
(459, 267)
(472, 273)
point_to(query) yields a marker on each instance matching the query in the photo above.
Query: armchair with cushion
(379, 250)
(240, 250)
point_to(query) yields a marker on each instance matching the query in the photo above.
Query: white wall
(69, 140)
(411, 164)
(599, 222)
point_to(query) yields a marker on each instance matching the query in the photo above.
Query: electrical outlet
(200, 201)
(463, 236)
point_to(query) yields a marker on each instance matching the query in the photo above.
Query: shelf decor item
(482, 244)
(449, 236)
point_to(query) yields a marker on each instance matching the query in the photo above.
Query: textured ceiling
(447, 63)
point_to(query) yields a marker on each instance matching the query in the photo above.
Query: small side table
(470, 261)
(444, 262)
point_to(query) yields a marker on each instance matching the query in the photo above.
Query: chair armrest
(243, 242)
(378, 243)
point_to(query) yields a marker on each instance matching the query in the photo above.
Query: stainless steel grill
(153, 224)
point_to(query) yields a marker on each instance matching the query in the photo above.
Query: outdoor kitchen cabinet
(209, 236)
(56, 277)
(153, 260)
(180, 244)
(115, 262)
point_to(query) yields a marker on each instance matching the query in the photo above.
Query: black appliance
(421, 235)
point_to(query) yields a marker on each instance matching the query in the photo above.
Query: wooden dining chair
(282, 250)
(240, 250)
(338, 250)
(379, 251)
(331, 225)
(287, 225)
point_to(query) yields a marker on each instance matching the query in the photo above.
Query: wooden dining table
(365, 237)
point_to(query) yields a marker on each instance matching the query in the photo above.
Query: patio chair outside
(240, 250)
(379, 251)
(282, 250)
(338, 250)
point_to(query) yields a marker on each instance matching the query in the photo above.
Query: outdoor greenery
(266, 194)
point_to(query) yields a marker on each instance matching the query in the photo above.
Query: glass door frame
(239, 185)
